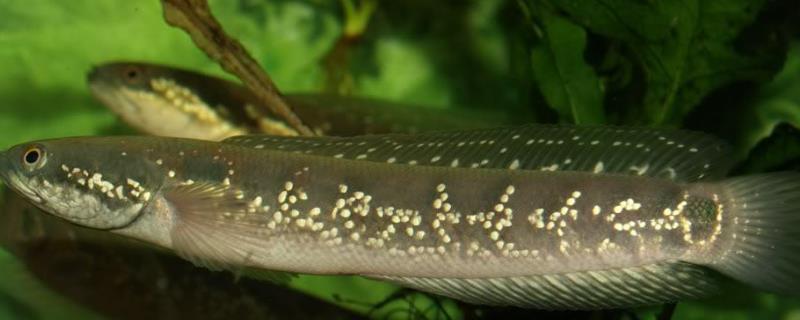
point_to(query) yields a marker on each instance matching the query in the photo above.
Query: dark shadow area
(123, 279)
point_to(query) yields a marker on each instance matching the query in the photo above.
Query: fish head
(91, 182)
(160, 101)
(111, 79)
(126, 89)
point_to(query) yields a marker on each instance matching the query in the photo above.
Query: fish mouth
(15, 183)
(5, 166)
(114, 98)
(12, 181)
(96, 85)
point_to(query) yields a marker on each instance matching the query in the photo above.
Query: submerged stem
(194, 17)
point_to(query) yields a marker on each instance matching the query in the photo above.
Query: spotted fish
(167, 101)
(549, 217)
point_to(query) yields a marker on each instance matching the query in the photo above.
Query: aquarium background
(731, 68)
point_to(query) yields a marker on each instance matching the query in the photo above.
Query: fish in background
(168, 101)
(551, 217)
(123, 279)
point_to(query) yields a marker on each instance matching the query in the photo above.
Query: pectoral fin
(216, 229)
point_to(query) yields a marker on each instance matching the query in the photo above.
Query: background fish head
(94, 182)
(125, 88)
(109, 81)
(164, 101)
(141, 95)
(124, 73)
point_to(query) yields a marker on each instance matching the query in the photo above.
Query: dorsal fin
(674, 154)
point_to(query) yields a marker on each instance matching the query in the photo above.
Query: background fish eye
(132, 74)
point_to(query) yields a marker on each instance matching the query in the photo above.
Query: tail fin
(766, 231)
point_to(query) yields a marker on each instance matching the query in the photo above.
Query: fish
(121, 278)
(547, 217)
(167, 101)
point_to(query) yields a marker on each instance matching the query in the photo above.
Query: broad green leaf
(567, 81)
(780, 151)
(778, 102)
(684, 49)
(629, 21)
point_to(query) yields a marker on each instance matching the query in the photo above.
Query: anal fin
(602, 289)
(278, 277)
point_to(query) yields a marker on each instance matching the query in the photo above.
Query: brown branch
(194, 17)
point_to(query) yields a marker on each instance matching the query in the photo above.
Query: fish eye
(33, 157)
(132, 74)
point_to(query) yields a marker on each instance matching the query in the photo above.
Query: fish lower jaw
(17, 185)
(31, 196)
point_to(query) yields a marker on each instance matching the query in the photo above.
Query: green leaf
(684, 49)
(780, 151)
(778, 102)
(567, 81)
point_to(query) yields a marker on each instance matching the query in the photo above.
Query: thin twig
(194, 17)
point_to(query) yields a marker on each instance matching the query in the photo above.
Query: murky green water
(719, 68)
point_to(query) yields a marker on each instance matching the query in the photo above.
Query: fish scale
(571, 237)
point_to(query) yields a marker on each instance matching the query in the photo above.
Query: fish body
(174, 102)
(600, 229)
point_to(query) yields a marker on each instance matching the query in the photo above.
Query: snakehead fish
(174, 102)
(536, 216)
